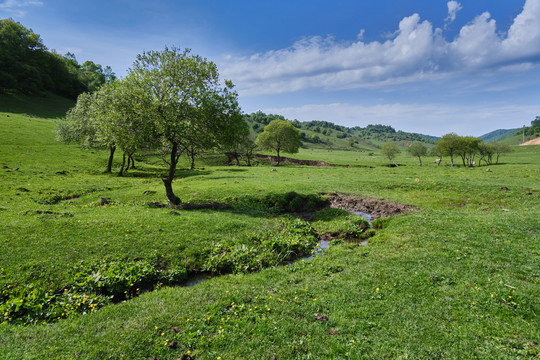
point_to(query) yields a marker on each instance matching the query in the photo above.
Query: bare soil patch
(377, 208)
(273, 160)
(532, 142)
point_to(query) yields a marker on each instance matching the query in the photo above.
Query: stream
(322, 245)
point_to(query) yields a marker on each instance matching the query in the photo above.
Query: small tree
(486, 151)
(417, 150)
(448, 146)
(501, 148)
(279, 135)
(390, 150)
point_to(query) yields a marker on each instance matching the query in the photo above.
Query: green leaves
(279, 135)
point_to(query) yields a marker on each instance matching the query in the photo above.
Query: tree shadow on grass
(143, 173)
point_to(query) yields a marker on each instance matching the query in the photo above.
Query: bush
(294, 202)
(380, 223)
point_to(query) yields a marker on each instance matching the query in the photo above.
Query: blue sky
(432, 67)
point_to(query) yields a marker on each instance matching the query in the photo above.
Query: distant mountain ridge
(498, 135)
(324, 134)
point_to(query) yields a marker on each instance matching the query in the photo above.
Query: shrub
(380, 223)
(294, 202)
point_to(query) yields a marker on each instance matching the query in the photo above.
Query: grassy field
(458, 278)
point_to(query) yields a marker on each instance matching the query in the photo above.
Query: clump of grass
(292, 202)
(341, 224)
(380, 223)
(295, 239)
(93, 286)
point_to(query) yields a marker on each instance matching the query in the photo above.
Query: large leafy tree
(182, 98)
(280, 136)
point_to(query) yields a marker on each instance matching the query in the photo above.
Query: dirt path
(531, 142)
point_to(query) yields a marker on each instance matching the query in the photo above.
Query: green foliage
(390, 150)
(296, 238)
(180, 98)
(279, 136)
(120, 279)
(534, 129)
(468, 147)
(380, 223)
(291, 202)
(27, 67)
(92, 286)
(417, 150)
(340, 224)
(32, 305)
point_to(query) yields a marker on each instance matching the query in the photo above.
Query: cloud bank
(417, 51)
(16, 7)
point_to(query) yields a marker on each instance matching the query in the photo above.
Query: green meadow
(459, 277)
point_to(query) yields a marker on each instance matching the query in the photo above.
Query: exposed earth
(377, 208)
(532, 142)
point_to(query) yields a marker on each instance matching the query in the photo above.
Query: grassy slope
(458, 278)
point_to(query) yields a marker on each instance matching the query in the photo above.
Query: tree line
(534, 129)
(28, 67)
(472, 151)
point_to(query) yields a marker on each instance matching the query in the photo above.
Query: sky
(431, 67)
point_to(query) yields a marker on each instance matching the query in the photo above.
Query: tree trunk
(121, 172)
(173, 199)
(420, 159)
(112, 149)
(278, 158)
(192, 157)
(132, 161)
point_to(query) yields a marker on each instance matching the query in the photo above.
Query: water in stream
(321, 247)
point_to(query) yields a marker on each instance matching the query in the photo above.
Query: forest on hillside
(28, 67)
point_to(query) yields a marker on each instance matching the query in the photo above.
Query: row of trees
(468, 148)
(171, 101)
(26, 66)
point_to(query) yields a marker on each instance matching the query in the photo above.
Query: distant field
(458, 278)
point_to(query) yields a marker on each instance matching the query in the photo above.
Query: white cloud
(16, 7)
(453, 9)
(432, 119)
(415, 52)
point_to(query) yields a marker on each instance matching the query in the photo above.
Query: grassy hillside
(499, 135)
(326, 135)
(457, 278)
(49, 106)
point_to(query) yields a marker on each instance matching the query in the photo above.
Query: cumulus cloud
(416, 51)
(16, 7)
(453, 9)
